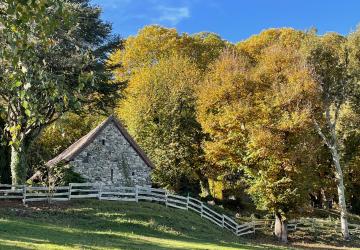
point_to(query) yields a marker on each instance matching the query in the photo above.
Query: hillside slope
(93, 224)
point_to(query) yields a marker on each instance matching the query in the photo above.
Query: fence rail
(263, 224)
(137, 193)
(113, 193)
(11, 191)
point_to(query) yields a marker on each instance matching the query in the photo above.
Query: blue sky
(234, 20)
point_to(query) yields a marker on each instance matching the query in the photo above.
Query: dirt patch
(19, 209)
(319, 246)
(49, 206)
(302, 240)
(11, 204)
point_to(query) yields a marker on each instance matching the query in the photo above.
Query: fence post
(202, 209)
(70, 187)
(48, 194)
(187, 202)
(24, 194)
(136, 193)
(223, 220)
(166, 197)
(253, 224)
(314, 226)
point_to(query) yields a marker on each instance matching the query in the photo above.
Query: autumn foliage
(247, 115)
(275, 116)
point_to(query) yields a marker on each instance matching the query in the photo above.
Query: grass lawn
(93, 224)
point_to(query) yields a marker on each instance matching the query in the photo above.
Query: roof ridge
(78, 146)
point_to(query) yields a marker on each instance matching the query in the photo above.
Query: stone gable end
(111, 160)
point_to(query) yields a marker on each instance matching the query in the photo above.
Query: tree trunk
(204, 185)
(333, 146)
(18, 164)
(341, 193)
(5, 172)
(281, 230)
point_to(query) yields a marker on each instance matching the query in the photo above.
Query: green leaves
(25, 104)
(53, 55)
(17, 84)
(28, 112)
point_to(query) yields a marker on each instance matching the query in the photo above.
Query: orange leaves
(256, 105)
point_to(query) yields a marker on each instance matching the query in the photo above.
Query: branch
(318, 129)
(4, 96)
(337, 111)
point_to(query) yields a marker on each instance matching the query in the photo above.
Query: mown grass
(93, 224)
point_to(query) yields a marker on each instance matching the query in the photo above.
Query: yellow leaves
(154, 43)
(256, 105)
(222, 88)
(295, 120)
(285, 37)
(265, 99)
(158, 88)
(150, 44)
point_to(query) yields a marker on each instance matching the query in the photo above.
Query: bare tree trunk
(281, 230)
(332, 145)
(341, 193)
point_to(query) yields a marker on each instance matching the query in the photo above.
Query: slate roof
(77, 147)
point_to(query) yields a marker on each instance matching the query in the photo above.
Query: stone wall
(110, 159)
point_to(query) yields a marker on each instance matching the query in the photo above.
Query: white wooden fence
(137, 193)
(113, 193)
(11, 191)
(269, 224)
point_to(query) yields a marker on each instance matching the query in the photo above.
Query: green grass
(112, 225)
(93, 224)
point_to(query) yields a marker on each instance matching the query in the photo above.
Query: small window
(103, 141)
(112, 175)
(133, 173)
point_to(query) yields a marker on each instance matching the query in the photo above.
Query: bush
(60, 175)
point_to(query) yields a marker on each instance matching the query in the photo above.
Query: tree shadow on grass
(114, 225)
(185, 226)
(48, 235)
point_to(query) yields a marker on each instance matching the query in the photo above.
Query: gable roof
(77, 147)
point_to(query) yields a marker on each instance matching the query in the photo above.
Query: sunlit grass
(112, 225)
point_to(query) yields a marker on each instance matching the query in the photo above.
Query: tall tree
(50, 64)
(159, 111)
(283, 144)
(334, 62)
(26, 27)
(144, 53)
(254, 104)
